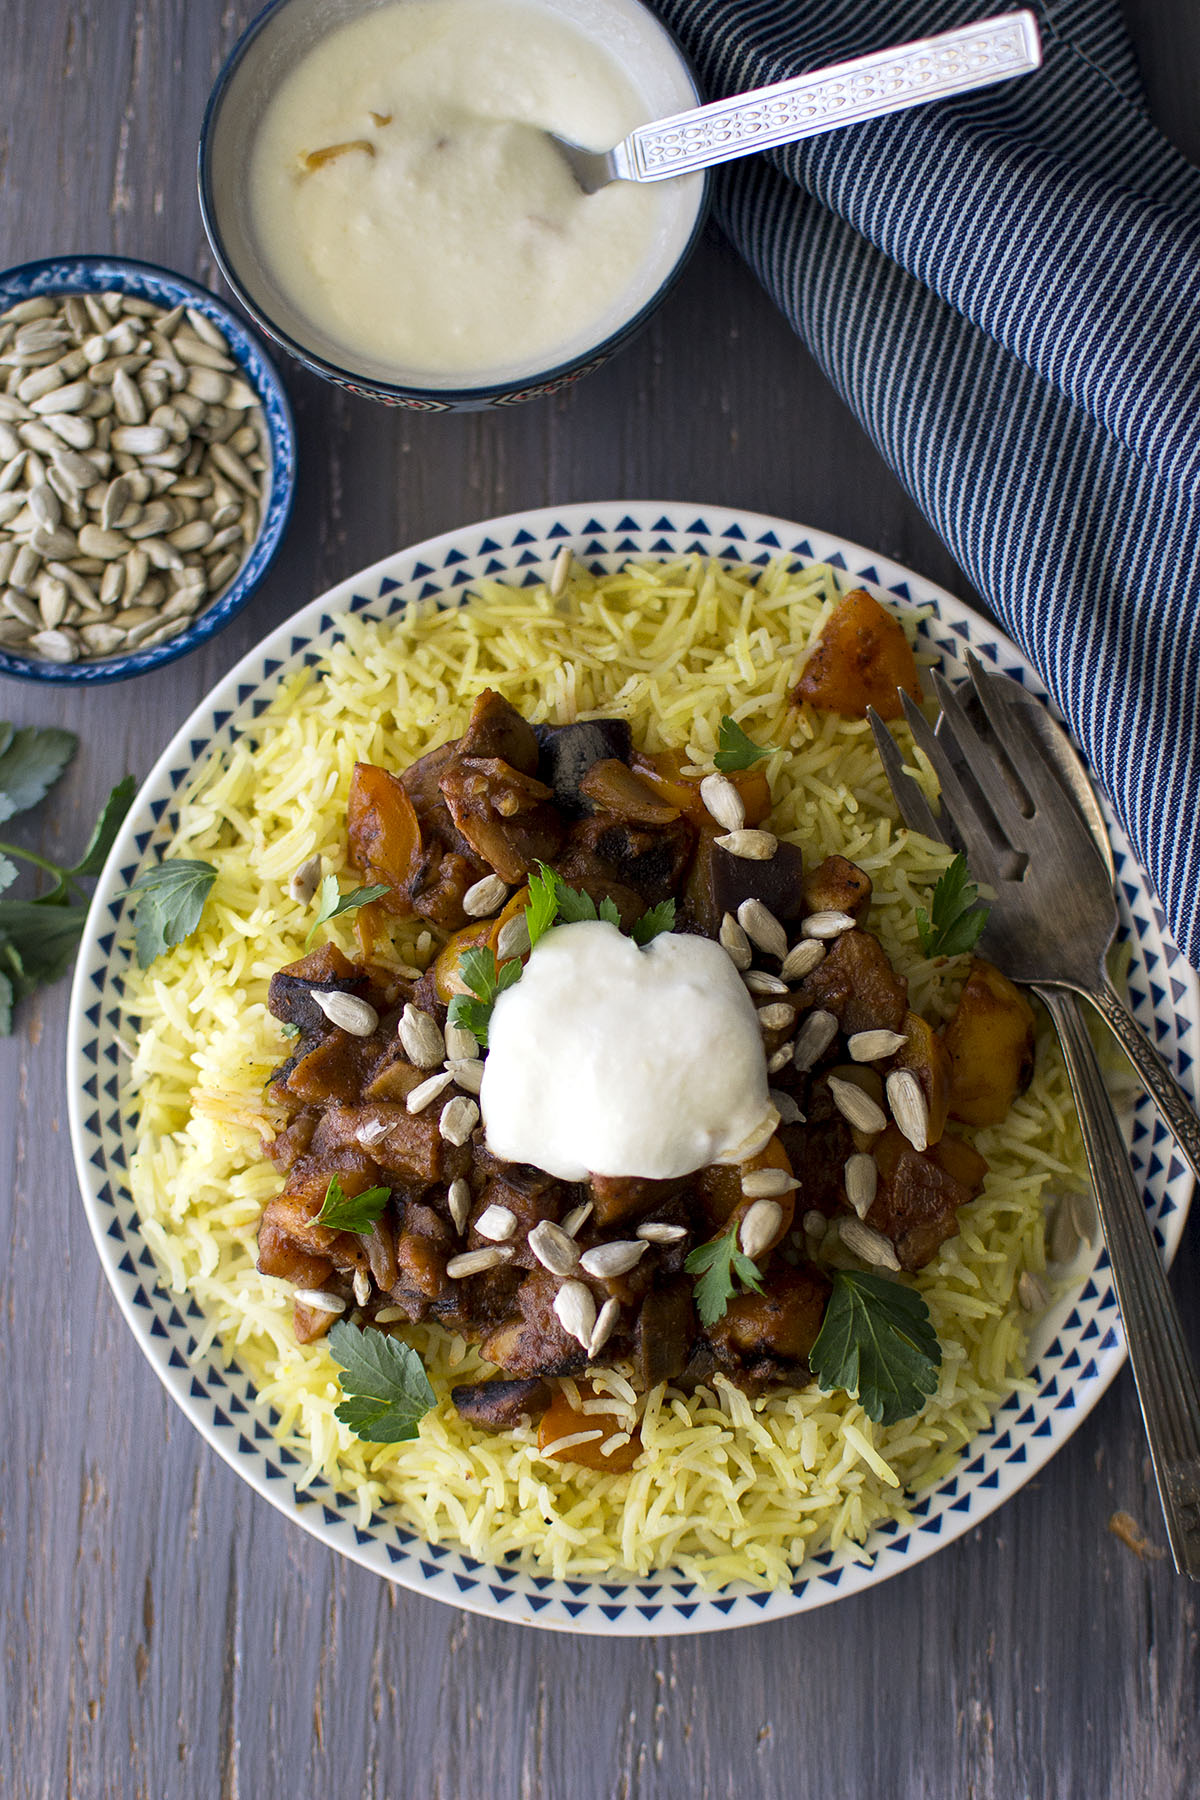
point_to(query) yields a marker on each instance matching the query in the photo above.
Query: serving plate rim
(1086, 1350)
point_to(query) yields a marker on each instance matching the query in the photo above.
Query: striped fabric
(1006, 290)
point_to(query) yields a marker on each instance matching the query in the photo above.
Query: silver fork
(846, 93)
(1048, 926)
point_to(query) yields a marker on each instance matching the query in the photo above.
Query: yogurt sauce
(406, 207)
(607, 1059)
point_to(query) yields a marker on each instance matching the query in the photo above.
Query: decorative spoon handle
(1163, 1371)
(866, 87)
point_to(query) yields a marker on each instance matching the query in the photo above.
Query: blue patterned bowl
(267, 52)
(99, 274)
(1079, 1344)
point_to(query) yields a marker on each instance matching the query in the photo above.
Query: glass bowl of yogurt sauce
(378, 191)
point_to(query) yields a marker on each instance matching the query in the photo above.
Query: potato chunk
(989, 1040)
(860, 659)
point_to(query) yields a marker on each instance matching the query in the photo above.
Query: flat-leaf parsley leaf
(479, 970)
(720, 1264)
(877, 1343)
(957, 923)
(659, 918)
(387, 1389)
(170, 899)
(333, 903)
(735, 750)
(351, 1212)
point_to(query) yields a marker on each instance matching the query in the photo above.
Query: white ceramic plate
(1080, 1348)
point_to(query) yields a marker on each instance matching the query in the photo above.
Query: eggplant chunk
(497, 1405)
(778, 882)
(289, 997)
(858, 985)
(569, 751)
(496, 729)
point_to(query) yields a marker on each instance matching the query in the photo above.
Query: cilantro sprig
(720, 1265)
(552, 900)
(333, 903)
(958, 922)
(352, 1212)
(170, 899)
(387, 1389)
(735, 750)
(878, 1344)
(486, 981)
(39, 936)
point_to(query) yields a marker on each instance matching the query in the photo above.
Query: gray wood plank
(164, 1633)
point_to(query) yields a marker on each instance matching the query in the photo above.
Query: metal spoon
(865, 87)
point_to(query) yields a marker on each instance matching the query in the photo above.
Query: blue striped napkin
(1006, 290)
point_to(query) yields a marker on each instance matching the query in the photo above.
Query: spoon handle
(846, 93)
(1158, 1080)
(1163, 1371)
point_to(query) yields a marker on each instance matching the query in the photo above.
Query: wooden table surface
(166, 1634)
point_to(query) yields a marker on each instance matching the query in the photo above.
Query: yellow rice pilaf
(726, 1487)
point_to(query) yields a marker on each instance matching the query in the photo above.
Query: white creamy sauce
(457, 243)
(607, 1059)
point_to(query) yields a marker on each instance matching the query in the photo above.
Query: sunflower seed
(577, 1217)
(1069, 1227)
(101, 639)
(459, 1119)
(814, 1038)
(861, 1178)
(42, 381)
(468, 1073)
(815, 1223)
(826, 924)
(870, 1046)
(21, 607)
(723, 801)
(760, 1226)
(192, 351)
(606, 1261)
(781, 1058)
(496, 1223)
(777, 1017)
(73, 428)
(734, 942)
(553, 1248)
(786, 1107)
(909, 1107)
(754, 846)
(868, 1245)
(762, 927)
(56, 542)
(231, 464)
(759, 1183)
(421, 1038)
(306, 880)
(561, 571)
(858, 1109)
(656, 1231)
(759, 982)
(44, 505)
(128, 403)
(222, 572)
(426, 1092)
(56, 646)
(485, 897)
(318, 1300)
(603, 1328)
(458, 1199)
(513, 938)
(1032, 1292)
(13, 635)
(52, 601)
(106, 545)
(362, 1286)
(349, 1012)
(459, 1042)
(208, 385)
(575, 1310)
(140, 440)
(477, 1262)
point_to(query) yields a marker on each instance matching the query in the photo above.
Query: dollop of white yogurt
(608, 1059)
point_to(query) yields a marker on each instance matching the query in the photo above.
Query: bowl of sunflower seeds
(147, 465)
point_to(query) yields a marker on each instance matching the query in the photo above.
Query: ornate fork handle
(1166, 1380)
(842, 94)
(1160, 1083)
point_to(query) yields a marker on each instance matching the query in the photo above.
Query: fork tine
(980, 761)
(1040, 780)
(915, 809)
(959, 809)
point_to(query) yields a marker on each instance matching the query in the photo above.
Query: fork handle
(1166, 1380)
(1159, 1082)
(866, 87)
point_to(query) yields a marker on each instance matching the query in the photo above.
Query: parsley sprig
(486, 981)
(958, 922)
(333, 903)
(351, 1212)
(387, 1389)
(877, 1343)
(735, 750)
(720, 1264)
(170, 899)
(38, 937)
